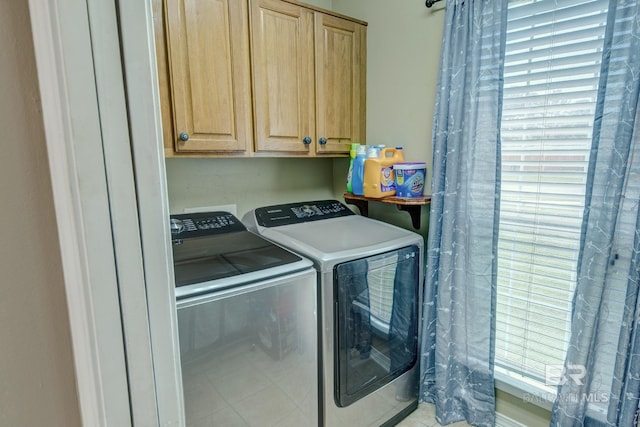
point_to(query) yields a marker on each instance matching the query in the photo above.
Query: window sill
(524, 388)
(533, 393)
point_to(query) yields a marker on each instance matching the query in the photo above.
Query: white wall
(247, 183)
(37, 377)
(325, 4)
(403, 56)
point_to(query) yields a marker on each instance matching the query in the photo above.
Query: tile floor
(236, 398)
(425, 416)
(227, 389)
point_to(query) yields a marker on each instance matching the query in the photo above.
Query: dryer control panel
(295, 213)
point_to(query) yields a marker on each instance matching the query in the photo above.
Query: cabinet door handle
(184, 136)
(306, 140)
(323, 140)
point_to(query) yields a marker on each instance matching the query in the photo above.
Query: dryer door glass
(376, 321)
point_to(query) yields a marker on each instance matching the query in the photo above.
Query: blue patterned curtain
(458, 326)
(609, 262)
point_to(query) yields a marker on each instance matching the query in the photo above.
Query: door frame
(109, 188)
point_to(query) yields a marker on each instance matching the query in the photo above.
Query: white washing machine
(370, 277)
(247, 325)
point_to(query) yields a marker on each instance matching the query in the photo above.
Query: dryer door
(376, 321)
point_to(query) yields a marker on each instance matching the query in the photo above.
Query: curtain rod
(430, 3)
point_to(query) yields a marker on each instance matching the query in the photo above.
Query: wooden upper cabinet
(283, 76)
(340, 83)
(308, 79)
(210, 82)
(259, 78)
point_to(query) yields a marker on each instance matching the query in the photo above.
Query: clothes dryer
(370, 277)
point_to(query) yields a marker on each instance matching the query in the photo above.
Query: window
(551, 76)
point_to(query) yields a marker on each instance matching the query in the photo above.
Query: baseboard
(504, 421)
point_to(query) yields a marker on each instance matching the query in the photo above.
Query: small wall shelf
(411, 205)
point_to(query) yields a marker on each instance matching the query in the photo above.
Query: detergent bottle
(352, 156)
(357, 175)
(379, 180)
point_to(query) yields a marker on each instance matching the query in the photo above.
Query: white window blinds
(551, 76)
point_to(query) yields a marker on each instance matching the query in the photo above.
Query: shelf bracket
(412, 206)
(414, 212)
(362, 205)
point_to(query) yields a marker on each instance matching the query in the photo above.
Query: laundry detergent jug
(379, 180)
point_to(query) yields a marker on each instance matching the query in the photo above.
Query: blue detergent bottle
(357, 176)
(352, 156)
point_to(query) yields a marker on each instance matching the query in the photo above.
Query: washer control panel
(187, 226)
(295, 213)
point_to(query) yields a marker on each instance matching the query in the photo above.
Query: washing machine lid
(214, 251)
(331, 241)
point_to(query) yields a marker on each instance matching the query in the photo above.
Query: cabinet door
(340, 85)
(283, 76)
(208, 43)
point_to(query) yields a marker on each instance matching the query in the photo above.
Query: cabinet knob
(322, 140)
(306, 140)
(184, 136)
